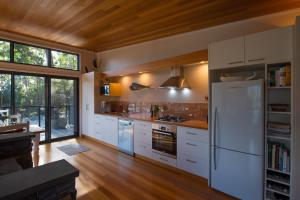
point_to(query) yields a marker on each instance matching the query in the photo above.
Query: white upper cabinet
(228, 53)
(270, 46)
(265, 47)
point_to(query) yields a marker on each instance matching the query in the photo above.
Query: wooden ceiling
(106, 24)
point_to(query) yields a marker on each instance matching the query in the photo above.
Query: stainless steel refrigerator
(237, 144)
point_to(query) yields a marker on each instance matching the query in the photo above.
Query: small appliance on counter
(125, 139)
(105, 107)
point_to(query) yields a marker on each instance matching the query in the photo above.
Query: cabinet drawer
(164, 159)
(143, 125)
(99, 135)
(143, 149)
(98, 118)
(193, 165)
(193, 148)
(143, 136)
(193, 134)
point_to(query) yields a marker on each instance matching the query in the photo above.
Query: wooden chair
(14, 128)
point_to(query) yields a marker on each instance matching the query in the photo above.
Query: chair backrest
(20, 127)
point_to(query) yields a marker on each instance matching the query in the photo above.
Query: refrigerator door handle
(215, 134)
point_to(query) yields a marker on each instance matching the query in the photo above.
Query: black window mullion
(49, 58)
(12, 52)
(13, 102)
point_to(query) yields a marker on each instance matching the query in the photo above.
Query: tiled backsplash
(197, 111)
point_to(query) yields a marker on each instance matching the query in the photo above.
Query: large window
(64, 60)
(4, 50)
(30, 55)
(15, 52)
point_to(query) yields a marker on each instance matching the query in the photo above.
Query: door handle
(194, 145)
(191, 161)
(258, 59)
(237, 62)
(215, 134)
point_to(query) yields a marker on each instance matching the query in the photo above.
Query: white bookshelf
(278, 168)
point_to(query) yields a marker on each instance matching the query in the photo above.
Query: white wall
(196, 75)
(190, 42)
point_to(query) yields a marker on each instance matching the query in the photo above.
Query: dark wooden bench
(52, 181)
(17, 146)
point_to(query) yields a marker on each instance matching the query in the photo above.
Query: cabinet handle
(193, 145)
(191, 133)
(163, 159)
(237, 62)
(258, 59)
(191, 161)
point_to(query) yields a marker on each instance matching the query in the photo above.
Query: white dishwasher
(125, 140)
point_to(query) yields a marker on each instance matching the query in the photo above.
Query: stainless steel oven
(164, 139)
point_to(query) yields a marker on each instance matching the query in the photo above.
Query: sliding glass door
(46, 101)
(30, 99)
(64, 112)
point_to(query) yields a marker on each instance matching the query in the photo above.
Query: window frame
(48, 51)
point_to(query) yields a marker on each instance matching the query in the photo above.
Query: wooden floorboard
(108, 174)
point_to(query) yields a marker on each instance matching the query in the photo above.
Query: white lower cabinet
(164, 159)
(106, 129)
(143, 138)
(193, 151)
(143, 149)
(193, 165)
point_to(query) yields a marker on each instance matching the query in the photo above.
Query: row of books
(280, 77)
(278, 157)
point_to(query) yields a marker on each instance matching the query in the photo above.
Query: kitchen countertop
(189, 123)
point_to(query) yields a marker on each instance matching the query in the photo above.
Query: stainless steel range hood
(176, 80)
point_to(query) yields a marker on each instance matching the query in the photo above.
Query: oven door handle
(162, 132)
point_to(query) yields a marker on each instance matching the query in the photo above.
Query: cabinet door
(269, 46)
(225, 54)
(87, 106)
(111, 130)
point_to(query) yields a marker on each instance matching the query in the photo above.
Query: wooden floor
(108, 174)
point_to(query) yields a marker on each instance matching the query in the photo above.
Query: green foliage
(62, 92)
(29, 91)
(64, 60)
(4, 51)
(5, 90)
(30, 55)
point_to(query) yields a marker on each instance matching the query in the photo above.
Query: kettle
(103, 107)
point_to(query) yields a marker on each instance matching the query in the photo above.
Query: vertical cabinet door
(269, 46)
(87, 117)
(111, 130)
(228, 53)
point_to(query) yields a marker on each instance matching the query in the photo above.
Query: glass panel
(30, 99)
(64, 60)
(5, 97)
(4, 51)
(63, 108)
(30, 55)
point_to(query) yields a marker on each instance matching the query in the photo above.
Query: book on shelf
(280, 76)
(279, 128)
(278, 157)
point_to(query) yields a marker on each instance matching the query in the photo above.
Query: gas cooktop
(170, 118)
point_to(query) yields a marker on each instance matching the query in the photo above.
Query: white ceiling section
(119, 58)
